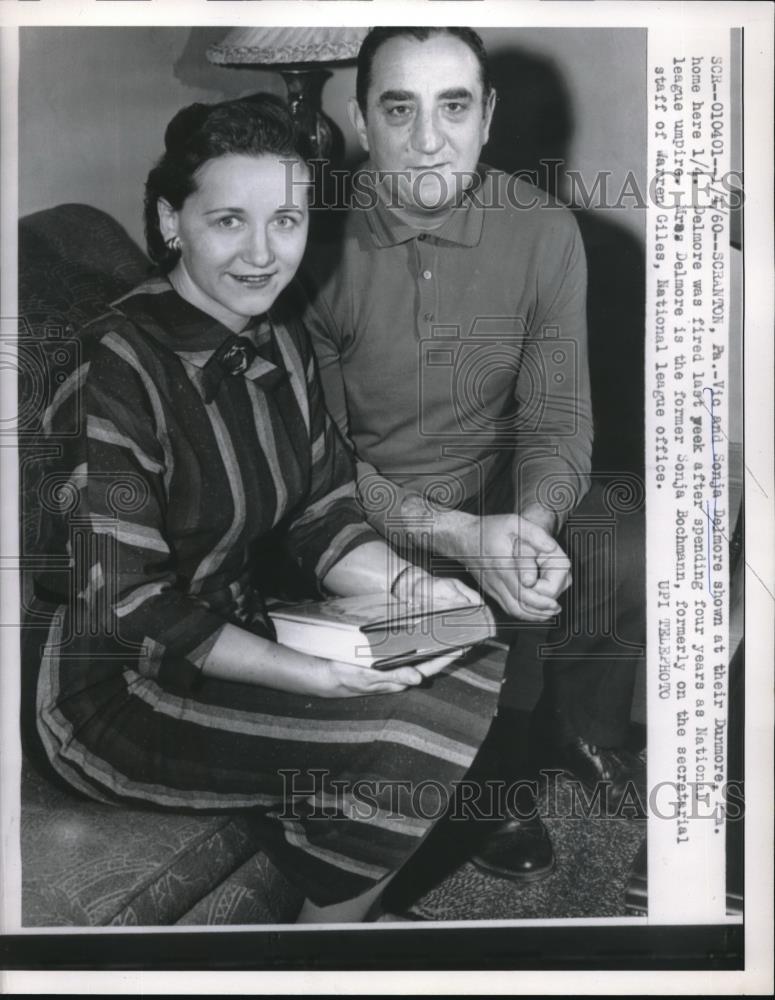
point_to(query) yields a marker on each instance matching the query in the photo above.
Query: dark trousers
(590, 654)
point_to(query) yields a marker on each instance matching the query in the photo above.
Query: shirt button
(422, 237)
(427, 275)
(428, 317)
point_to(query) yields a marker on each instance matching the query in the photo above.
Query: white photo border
(613, 968)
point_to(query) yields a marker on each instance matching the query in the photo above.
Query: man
(449, 322)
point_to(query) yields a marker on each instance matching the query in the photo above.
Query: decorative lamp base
(321, 136)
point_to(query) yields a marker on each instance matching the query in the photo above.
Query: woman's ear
(168, 219)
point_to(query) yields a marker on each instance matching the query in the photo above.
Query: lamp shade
(275, 46)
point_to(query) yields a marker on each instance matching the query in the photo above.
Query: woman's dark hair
(256, 125)
(377, 37)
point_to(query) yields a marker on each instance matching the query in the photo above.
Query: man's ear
(168, 219)
(489, 108)
(358, 122)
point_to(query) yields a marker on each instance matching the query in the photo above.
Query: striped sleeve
(126, 572)
(332, 523)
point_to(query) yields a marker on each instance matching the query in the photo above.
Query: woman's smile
(253, 279)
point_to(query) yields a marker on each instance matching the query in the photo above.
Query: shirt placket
(427, 284)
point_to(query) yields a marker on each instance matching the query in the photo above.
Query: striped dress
(170, 474)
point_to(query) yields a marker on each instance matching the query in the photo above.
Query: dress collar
(202, 341)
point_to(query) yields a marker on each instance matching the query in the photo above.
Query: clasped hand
(517, 563)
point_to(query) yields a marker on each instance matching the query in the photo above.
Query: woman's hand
(373, 568)
(420, 589)
(240, 656)
(346, 680)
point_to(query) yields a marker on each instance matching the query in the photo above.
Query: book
(380, 632)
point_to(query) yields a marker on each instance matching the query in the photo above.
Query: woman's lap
(346, 788)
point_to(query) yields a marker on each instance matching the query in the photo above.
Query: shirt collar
(199, 339)
(463, 227)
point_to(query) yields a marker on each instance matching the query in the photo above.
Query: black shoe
(518, 849)
(621, 773)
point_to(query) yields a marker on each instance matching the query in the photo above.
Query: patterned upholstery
(89, 864)
(73, 261)
(84, 863)
(256, 893)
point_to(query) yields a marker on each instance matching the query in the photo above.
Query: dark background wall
(94, 103)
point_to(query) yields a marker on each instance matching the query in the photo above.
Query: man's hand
(557, 578)
(516, 562)
(540, 515)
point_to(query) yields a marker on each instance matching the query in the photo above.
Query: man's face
(425, 118)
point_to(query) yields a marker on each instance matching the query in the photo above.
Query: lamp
(298, 55)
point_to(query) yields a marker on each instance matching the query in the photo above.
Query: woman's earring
(174, 244)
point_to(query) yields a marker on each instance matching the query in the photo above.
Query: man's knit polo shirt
(455, 357)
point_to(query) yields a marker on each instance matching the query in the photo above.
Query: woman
(203, 434)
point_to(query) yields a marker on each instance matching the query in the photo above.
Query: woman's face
(242, 232)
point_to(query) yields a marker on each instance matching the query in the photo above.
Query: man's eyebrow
(452, 94)
(395, 95)
(455, 94)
